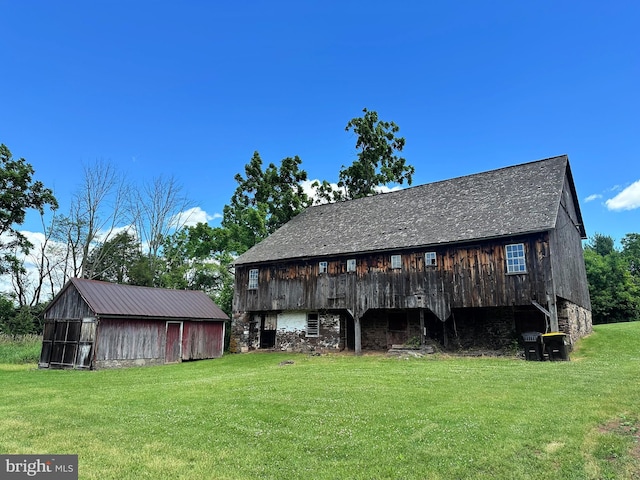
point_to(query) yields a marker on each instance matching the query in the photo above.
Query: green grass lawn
(339, 417)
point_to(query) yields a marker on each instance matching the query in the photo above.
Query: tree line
(140, 235)
(614, 278)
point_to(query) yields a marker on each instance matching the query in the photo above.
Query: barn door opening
(268, 331)
(350, 333)
(173, 349)
(398, 328)
(60, 343)
(68, 343)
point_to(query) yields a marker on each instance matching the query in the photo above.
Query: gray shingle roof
(509, 201)
(111, 299)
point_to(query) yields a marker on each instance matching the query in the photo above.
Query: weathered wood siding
(202, 340)
(567, 257)
(130, 340)
(69, 305)
(464, 276)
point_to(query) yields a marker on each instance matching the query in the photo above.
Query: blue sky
(191, 89)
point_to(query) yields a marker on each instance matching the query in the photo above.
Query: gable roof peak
(108, 299)
(507, 201)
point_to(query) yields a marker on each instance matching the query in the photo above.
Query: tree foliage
(197, 259)
(377, 164)
(614, 291)
(18, 194)
(631, 253)
(115, 232)
(263, 201)
(119, 260)
(21, 320)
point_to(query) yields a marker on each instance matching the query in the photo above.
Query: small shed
(92, 324)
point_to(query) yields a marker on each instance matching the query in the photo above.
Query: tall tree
(116, 259)
(631, 253)
(96, 213)
(377, 165)
(156, 209)
(18, 194)
(263, 201)
(41, 281)
(196, 259)
(100, 208)
(615, 297)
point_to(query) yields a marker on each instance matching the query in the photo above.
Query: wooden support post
(422, 332)
(553, 313)
(357, 334)
(445, 338)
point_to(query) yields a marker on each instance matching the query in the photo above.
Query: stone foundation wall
(245, 335)
(328, 339)
(239, 342)
(573, 320)
(379, 332)
(489, 328)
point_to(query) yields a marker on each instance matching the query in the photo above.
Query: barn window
(322, 267)
(351, 265)
(430, 259)
(313, 325)
(396, 261)
(515, 258)
(253, 279)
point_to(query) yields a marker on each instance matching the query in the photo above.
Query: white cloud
(311, 192)
(105, 235)
(593, 197)
(627, 199)
(192, 217)
(385, 189)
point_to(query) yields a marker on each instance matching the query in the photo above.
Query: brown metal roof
(111, 299)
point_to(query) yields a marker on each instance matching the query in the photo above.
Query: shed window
(430, 259)
(351, 265)
(322, 267)
(253, 279)
(313, 325)
(515, 258)
(396, 261)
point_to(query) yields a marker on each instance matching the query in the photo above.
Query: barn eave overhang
(425, 246)
(134, 318)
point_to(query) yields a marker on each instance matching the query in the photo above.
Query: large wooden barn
(471, 262)
(92, 324)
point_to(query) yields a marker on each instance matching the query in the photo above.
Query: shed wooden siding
(465, 276)
(69, 305)
(202, 340)
(130, 339)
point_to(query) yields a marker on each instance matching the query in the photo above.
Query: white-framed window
(430, 259)
(322, 267)
(396, 261)
(253, 279)
(515, 258)
(351, 265)
(313, 325)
